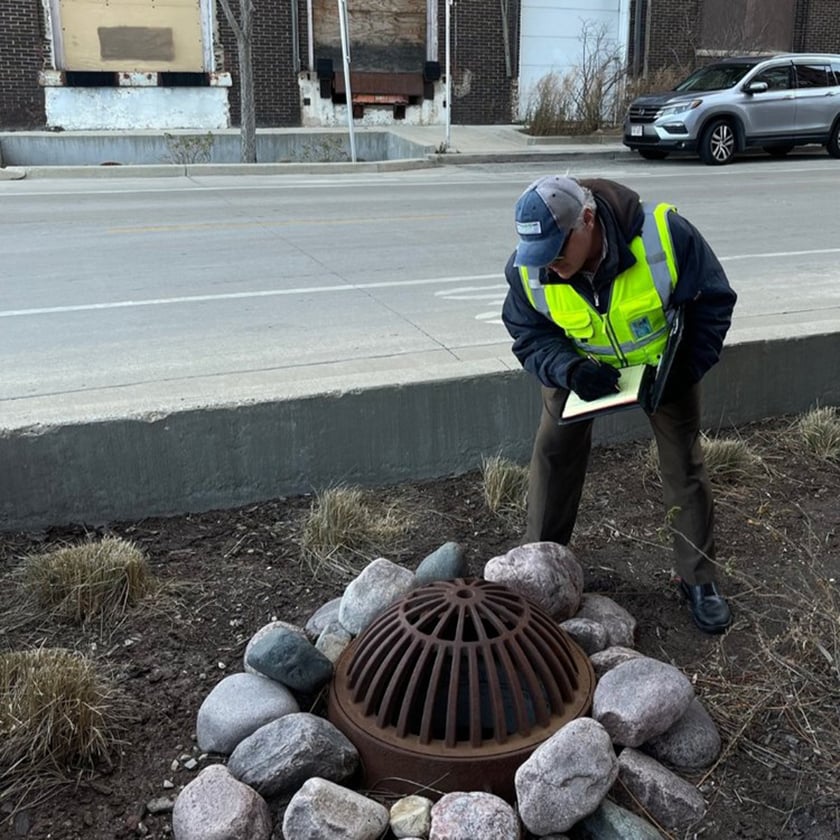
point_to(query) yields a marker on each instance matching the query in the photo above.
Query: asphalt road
(145, 295)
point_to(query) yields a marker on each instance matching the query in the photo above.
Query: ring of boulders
(646, 730)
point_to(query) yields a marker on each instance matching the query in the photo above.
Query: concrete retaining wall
(222, 457)
(46, 148)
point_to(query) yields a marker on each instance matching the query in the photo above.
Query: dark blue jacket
(702, 288)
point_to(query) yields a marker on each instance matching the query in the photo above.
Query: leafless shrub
(586, 98)
(345, 526)
(780, 706)
(99, 578)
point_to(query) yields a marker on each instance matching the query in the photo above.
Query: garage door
(550, 40)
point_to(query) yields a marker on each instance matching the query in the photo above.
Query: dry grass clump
(346, 525)
(57, 713)
(819, 430)
(728, 460)
(505, 486)
(94, 579)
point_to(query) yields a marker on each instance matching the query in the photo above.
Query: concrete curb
(196, 460)
(166, 170)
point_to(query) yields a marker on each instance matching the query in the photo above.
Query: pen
(599, 363)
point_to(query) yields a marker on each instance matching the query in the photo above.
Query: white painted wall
(126, 108)
(550, 36)
(324, 112)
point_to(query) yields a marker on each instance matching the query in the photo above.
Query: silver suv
(775, 102)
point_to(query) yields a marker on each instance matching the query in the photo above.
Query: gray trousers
(558, 471)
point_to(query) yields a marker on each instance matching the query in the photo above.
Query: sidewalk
(404, 147)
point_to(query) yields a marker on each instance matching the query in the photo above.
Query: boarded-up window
(385, 35)
(742, 26)
(132, 35)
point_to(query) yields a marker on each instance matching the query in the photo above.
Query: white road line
(346, 287)
(778, 254)
(303, 290)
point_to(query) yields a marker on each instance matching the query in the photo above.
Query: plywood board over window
(132, 35)
(742, 26)
(385, 35)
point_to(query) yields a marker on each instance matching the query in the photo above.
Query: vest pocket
(577, 323)
(643, 315)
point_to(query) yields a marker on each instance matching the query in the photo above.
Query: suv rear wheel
(717, 145)
(833, 145)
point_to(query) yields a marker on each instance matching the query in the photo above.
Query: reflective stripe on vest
(635, 327)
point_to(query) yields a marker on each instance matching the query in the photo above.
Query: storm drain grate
(454, 686)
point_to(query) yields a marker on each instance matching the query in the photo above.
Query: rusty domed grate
(455, 685)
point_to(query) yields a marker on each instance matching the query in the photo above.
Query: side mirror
(756, 87)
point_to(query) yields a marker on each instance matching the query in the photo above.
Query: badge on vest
(641, 327)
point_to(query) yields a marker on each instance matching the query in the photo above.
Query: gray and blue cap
(545, 213)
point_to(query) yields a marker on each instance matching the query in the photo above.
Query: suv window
(813, 76)
(715, 77)
(777, 78)
(835, 66)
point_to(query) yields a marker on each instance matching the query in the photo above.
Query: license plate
(636, 131)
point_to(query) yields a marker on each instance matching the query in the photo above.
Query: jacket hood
(625, 204)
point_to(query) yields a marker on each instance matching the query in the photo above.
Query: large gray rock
(322, 810)
(380, 584)
(671, 801)
(280, 756)
(620, 625)
(612, 822)
(237, 706)
(605, 660)
(291, 659)
(324, 615)
(692, 743)
(544, 572)
(214, 806)
(333, 640)
(566, 777)
(267, 628)
(468, 816)
(639, 699)
(445, 563)
(589, 634)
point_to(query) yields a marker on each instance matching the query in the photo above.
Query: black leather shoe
(708, 607)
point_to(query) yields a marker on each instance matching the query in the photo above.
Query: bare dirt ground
(772, 683)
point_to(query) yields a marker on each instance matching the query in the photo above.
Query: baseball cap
(545, 213)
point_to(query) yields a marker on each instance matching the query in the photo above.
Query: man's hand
(590, 379)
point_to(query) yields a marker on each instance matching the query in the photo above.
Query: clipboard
(640, 386)
(666, 361)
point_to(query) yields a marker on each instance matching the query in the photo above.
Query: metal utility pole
(345, 57)
(447, 138)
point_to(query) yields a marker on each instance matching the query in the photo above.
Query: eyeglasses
(561, 254)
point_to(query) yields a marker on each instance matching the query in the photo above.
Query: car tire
(780, 150)
(652, 154)
(718, 143)
(833, 145)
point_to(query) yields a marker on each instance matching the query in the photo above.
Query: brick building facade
(22, 55)
(485, 53)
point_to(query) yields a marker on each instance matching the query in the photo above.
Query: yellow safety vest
(635, 327)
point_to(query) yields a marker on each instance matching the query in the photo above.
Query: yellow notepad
(632, 384)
